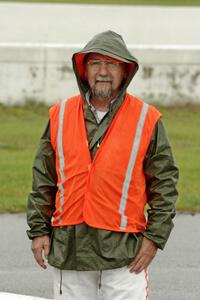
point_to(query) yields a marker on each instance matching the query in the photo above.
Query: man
(102, 157)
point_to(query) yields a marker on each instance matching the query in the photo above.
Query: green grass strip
(21, 128)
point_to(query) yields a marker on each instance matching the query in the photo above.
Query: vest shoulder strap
(57, 111)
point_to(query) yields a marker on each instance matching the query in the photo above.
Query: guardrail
(168, 74)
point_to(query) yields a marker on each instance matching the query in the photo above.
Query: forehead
(98, 56)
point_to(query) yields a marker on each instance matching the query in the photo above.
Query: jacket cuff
(156, 236)
(32, 234)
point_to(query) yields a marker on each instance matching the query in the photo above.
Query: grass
(121, 2)
(183, 129)
(21, 128)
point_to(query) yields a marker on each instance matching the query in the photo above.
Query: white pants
(116, 284)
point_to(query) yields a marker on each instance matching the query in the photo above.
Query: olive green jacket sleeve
(41, 200)
(161, 177)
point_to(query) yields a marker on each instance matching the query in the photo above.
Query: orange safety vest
(110, 191)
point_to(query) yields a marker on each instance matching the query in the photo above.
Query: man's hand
(144, 256)
(40, 246)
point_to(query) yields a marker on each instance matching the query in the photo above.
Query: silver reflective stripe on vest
(60, 154)
(131, 164)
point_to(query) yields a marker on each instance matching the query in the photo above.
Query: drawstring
(99, 283)
(100, 280)
(100, 275)
(60, 282)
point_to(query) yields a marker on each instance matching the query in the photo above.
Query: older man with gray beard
(103, 156)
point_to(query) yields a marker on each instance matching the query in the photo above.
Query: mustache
(103, 79)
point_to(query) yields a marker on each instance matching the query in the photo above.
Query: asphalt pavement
(174, 273)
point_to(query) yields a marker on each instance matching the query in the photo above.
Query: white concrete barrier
(168, 75)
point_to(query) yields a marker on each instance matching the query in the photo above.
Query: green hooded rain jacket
(80, 247)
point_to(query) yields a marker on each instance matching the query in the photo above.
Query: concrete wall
(43, 72)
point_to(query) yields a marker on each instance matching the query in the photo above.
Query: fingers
(41, 245)
(46, 249)
(144, 256)
(38, 257)
(140, 263)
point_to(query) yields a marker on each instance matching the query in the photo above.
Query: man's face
(104, 76)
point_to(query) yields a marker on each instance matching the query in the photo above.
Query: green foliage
(21, 128)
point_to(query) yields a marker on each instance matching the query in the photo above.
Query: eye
(111, 64)
(94, 63)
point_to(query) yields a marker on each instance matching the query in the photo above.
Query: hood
(106, 43)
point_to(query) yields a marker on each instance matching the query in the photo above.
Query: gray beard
(101, 94)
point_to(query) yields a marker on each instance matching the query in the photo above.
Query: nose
(103, 70)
